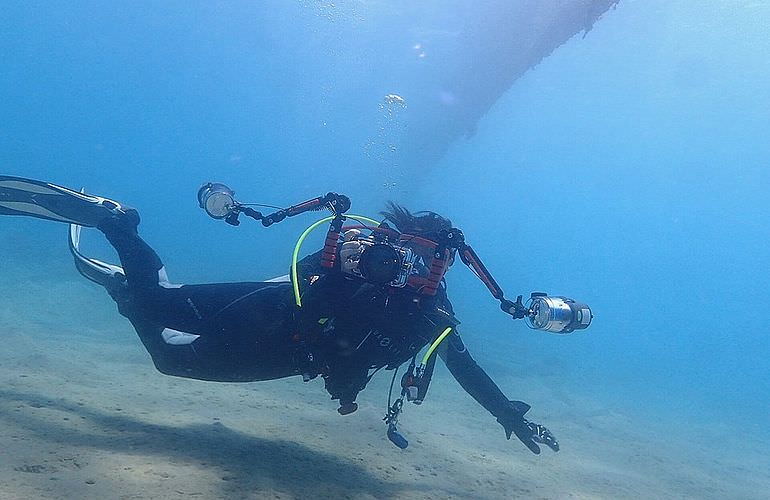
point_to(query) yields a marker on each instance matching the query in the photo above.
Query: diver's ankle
(121, 222)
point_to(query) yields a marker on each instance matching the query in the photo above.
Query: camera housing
(381, 262)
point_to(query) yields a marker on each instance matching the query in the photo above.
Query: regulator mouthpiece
(217, 200)
(557, 314)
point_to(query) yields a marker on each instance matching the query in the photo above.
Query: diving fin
(19, 196)
(109, 276)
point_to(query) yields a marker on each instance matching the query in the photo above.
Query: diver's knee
(169, 367)
(163, 280)
(175, 360)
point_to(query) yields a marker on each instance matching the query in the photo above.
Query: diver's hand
(531, 433)
(528, 432)
(350, 251)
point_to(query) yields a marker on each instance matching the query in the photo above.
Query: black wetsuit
(241, 332)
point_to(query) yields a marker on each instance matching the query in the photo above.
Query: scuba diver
(373, 297)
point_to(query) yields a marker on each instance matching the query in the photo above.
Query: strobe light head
(560, 315)
(217, 200)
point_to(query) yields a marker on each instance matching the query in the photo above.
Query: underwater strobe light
(557, 314)
(217, 200)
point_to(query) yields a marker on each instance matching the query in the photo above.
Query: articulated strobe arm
(335, 203)
(471, 259)
(455, 239)
(219, 202)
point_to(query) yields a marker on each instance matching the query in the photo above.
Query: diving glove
(528, 432)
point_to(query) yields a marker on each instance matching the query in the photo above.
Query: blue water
(629, 169)
(636, 164)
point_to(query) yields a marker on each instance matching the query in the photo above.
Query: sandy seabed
(83, 414)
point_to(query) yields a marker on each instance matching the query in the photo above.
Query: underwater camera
(384, 264)
(381, 262)
(389, 258)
